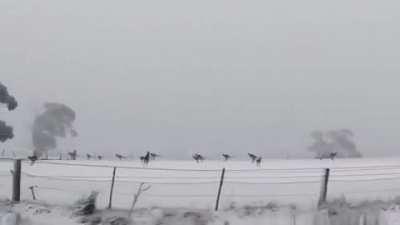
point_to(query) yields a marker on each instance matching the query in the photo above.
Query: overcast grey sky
(209, 76)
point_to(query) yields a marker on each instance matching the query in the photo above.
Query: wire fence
(61, 182)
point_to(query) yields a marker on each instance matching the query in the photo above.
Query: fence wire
(66, 182)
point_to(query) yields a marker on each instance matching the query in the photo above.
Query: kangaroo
(145, 159)
(73, 154)
(153, 156)
(33, 159)
(333, 155)
(198, 157)
(252, 157)
(258, 161)
(119, 156)
(226, 157)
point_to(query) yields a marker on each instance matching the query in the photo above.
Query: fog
(178, 77)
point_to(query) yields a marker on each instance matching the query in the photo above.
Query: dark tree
(6, 132)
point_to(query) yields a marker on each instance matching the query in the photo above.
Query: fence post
(16, 191)
(221, 182)
(324, 188)
(112, 188)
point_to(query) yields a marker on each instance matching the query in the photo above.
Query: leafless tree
(142, 188)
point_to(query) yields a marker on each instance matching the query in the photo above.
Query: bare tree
(142, 188)
(334, 144)
(56, 121)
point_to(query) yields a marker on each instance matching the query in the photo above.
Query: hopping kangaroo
(145, 159)
(153, 156)
(226, 157)
(198, 157)
(119, 156)
(252, 157)
(73, 155)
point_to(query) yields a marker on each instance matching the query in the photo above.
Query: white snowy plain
(190, 185)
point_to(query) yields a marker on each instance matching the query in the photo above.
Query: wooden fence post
(16, 191)
(324, 188)
(112, 188)
(221, 182)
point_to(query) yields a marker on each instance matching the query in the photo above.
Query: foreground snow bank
(338, 212)
(7, 215)
(391, 216)
(341, 212)
(9, 218)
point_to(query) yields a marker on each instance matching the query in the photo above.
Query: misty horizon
(203, 77)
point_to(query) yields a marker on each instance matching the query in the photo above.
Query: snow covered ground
(277, 192)
(372, 213)
(40, 214)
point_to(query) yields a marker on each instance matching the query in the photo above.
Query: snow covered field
(188, 184)
(250, 194)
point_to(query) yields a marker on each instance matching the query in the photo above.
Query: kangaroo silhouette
(252, 157)
(153, 156)
(333, 155)
(198, 158)
(73, 154)
(226, 157)
(258, 161)
(119, 156)
(146, 159)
